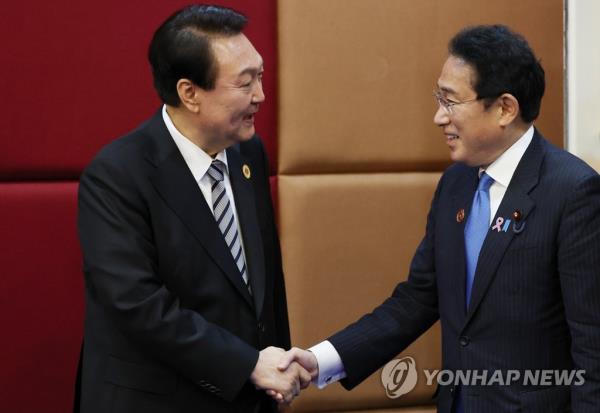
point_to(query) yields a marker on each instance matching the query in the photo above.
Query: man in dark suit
(182, 265)
(510, 261)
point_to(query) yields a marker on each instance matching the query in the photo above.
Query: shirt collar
(196, 159)
(503, 168)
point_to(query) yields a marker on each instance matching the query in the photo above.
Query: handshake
(283, 374)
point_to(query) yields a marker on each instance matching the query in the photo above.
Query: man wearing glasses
(510, 261)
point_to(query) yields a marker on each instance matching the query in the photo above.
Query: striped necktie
(225, 217)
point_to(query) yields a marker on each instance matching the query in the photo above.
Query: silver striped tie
(224, 216)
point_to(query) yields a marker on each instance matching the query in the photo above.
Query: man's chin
(246, 135)
(455, 156)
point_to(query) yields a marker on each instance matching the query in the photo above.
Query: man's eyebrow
(446, 89)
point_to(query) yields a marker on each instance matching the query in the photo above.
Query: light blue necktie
(476, 229)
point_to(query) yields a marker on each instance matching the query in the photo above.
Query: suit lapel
(247, 214)
(177, 186)
(464, 190)
(496, 242)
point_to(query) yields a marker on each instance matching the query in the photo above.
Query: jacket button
(261, 327)
(464, 341)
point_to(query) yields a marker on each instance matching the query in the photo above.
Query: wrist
(314, 373)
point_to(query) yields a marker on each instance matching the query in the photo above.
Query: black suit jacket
(535, 301)
(170, 326)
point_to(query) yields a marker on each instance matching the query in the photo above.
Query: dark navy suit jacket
(170, 326)
(535, 302)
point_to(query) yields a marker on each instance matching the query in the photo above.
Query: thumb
(287, 359)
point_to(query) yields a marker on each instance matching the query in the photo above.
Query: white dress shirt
(198, 162)
(331, 368)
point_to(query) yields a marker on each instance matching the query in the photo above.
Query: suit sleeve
(377, 337)
(579, 269)
(120, 267)
(279, 293)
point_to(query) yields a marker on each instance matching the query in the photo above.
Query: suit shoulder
(562, 167)
(253, 147)
(123, 151)
(125, 145)
(455, 172)
(254, 151)
(457, 169)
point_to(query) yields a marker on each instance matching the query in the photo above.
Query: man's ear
(189, 95)
(509, 109)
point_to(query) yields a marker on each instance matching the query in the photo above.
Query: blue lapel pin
(501, 225)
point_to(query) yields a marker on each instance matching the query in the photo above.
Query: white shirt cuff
(331, 368)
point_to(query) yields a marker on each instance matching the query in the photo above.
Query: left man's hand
(292, 358)
(282, 385)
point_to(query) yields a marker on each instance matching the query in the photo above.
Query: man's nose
(259, 94)
(441, 117)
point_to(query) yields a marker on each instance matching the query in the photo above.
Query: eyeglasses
(448, 105)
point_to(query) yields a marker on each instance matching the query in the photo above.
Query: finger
(278, 397)
(296, 387)
(283, 406)
(305, 378)
(287, 359)
(300, 374)
(288, 397)
(293, 388)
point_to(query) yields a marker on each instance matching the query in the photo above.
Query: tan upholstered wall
(356, 77)
(347, 240)
(359, 156)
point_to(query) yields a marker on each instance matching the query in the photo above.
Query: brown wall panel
(347, 240)
(356, 78)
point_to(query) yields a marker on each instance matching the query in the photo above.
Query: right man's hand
(283, 384)
(303, 357)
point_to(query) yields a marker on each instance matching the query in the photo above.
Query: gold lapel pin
(246, 171)
(460, 215)
(517, 215)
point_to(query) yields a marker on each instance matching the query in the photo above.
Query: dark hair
(504, 63)
(180, 47)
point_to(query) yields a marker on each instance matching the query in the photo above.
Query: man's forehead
(237, 50)
(252, 67)
(457, 76)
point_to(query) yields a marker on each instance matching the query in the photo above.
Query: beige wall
(583, 73)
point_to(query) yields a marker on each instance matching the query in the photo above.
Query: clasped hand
(283, 374)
